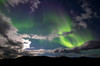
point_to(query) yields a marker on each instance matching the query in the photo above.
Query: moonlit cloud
(34, 6)
(49, 37)
(11, 42)
(36, 52)
(39, 37)
(25, 36)
(10, 39)
(26, 44)
(13, 3)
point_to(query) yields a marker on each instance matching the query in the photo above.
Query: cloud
(49, 37)
(11, 43)
(90, 45)
(13, 3)
(26, 44)
(4, 25)
(33, 36)
(25, 35)
(34, 6)
(88, 14)
(39, 37)
(36, 52)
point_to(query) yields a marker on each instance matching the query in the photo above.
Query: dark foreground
(49, 60)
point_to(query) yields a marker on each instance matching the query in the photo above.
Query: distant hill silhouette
(49, 60)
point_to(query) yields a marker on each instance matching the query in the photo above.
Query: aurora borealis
(60, 22)
(64, 24)
(50, 24)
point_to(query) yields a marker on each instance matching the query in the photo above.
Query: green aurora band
(24, 24)
(64, 24)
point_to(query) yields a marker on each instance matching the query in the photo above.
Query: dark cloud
(90, 45)
(9, 48)
(7, 52)
(4, 27)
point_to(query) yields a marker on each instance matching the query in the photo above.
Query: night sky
(51, 24)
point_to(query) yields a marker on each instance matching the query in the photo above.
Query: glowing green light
(64, 24)
(65, 42)
(26, 24)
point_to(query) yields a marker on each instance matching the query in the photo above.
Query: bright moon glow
(26, 44)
